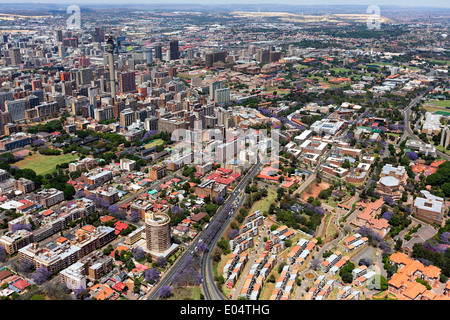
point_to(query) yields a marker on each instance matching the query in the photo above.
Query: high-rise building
(127, 82)
(222, 95)
(213, 87)
(157, 232)
(127, 117)
(99, 35)
(16, 108)
(15, 56)
(148, 55)
(59, 35)
(158, 52)
(174, 50)
(5, 96)
(112, 75)
(215, 56)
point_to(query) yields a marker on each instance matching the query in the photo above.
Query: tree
(3, 254)
(165, 292)
(138, 254)
(41, 275)
(162, 262)
(151, 275)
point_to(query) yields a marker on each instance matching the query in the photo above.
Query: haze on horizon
(400, 3)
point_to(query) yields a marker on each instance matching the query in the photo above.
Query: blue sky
(406, 3)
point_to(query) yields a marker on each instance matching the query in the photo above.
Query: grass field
(155, 142)
(186, 293)
(44, 164)
(441, 103)
(264, 204)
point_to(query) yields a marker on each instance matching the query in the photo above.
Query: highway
(206, 270)
(167, 277)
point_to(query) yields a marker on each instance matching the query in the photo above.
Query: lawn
(264, 204)
(43, 165)
(155, 142)
(186, 293)
(441, 103)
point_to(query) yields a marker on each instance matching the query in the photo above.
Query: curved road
(409, 132)
(207, 270)
(207, 283)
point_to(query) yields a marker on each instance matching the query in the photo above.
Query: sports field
(44, 164)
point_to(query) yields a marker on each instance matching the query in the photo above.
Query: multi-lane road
(211, 292)
(235, 200)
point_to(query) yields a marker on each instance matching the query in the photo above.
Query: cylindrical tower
(157, 232)
(112, 74)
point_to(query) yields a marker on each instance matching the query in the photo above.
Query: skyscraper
(148, 55)
(127, 82)
(112, 75)
(127, 117)
(174, 50)
(158, 52)
(59, 35)
(157, 232)
(15, 56)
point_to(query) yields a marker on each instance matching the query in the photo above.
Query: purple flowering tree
(162, 262)
(387, 215)
(80, 194)
(20, 226)
(165, 292)
(445, 238)
(138, 253)
(151, 275)
(233, 233)
(41, 275)
(3, 254)
(412, 155)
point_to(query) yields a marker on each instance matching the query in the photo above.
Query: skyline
(401, 3)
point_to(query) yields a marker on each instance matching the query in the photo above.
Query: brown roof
(199, 216)
(5, 274)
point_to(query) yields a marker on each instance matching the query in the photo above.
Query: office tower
(16, 108)
(148, 56)
(213, 87)
(157, 232)
(127, 82)
(99, 35)
(5, 96)
(66, 88)
(174, 50)
(104, 113)
(190, 54)
(119, 106)
(222, 95)
(263, 56)
(158, 52)
(59, 35)
(215, 56)
(62, 51)
(15, 56)
(112, 75)
(127, 117)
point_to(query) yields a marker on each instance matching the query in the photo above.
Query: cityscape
(224, 152)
